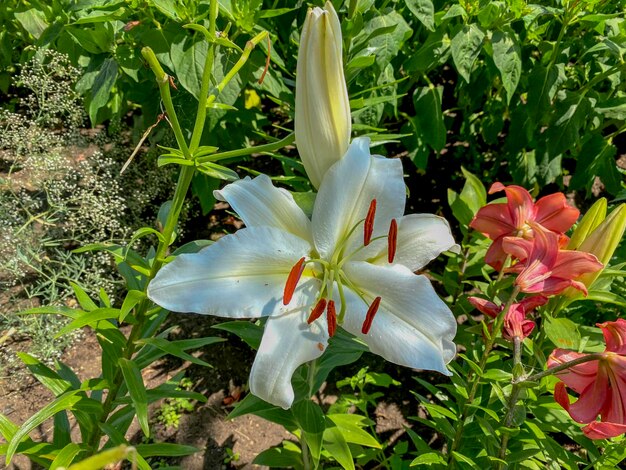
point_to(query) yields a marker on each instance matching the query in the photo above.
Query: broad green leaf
(62, 434)
(256, 406)
(507, 56)
(423, 11)
(149, 354)
(335, 443)
(466, 46)
(571, 115)
(249, 332)
(188, 56)
(33, 21)
(563, 332)
(597, 159)
(137, 391)
(351, 427)
(429, 458)
(310, 418)
(101, 90)
(429, 116)
(67, 401)
(192, 247)
(279, 457)
(386, 46)
(541, 90)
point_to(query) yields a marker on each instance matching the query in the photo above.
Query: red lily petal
(591, 400)
(604, 430)
(496, 256)
(555, 214)
(614, 335)
(561, 396)
(579, 377)
(517, 247)
(485, 307)
(519, 201)
(571, 264)
(532, 302)
(493, 221)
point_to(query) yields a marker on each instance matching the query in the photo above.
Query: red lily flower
(550, 213)
(515, 321)
(601, 384)
(544, 268)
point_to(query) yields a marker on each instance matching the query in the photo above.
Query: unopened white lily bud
(322, 121)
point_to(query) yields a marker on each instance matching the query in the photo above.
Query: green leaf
(571, 113)
(192, 247)
(7, 428)
(49, 378)
(507, 56)
(137, 391)
(429, 116)
(423, 11)
(170, 348)
(597, 159)
(429, 458)
(149, 354)
(387, 45)
(279, 457)
(104, 458)
(541, 89)
(249, 332)
(563, 332)
(88, 318)
(64, 402)
(133, 297)
(33, 21)
(310, 418)
(351, 427)
(165, 450)
(253, 404)
(466, 46)
(217, 171)
(66, 456)
(101, 90)
(188, 55)
(83, 299)
(335, 443)
(164, 160)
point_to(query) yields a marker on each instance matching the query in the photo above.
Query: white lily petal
(347, 191)
(413, 326)
(241, 276)
(259, 203)
(288, 342)
(421, 238)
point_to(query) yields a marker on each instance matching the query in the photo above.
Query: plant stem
(559, 368)
(515, 391)
(247, 151)
(491, 340)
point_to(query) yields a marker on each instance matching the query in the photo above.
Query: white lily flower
(322, 113)
(351, 265)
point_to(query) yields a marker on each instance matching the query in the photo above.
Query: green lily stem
(491, 340)
(198, 126)
(271, 147)
(163, 80)
(245, 55)
(513, 397)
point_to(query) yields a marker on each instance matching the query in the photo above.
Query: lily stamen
(368, 226)
(369, 316)
(292, 281)
(392, 240)
(317, 311)
(331, 318)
